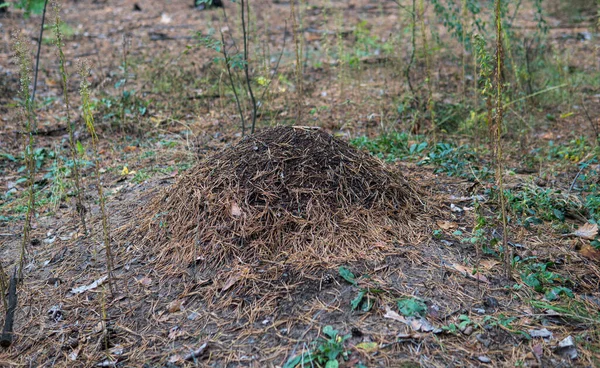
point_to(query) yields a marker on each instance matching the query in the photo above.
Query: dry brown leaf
(389, 313)
(469, 272)
(590, 252)
(587, 231)
(232, 280)
(175, 306)
(446, 225)
(145, 281)
(488, 264)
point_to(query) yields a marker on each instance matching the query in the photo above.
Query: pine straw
(287, 196)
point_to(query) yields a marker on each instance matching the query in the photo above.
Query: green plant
(366, 296)
(30, 6)
(412, 307)
(539, 277)
(533, 205)
(325, 353)
(454, 328)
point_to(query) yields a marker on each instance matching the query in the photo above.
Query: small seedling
(325, 353)
(412, 307)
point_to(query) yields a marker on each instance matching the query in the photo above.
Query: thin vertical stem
(499, 164)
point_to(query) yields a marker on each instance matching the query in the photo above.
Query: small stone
(484, 359)
(541, 333)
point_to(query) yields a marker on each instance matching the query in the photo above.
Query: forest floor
(437, 298)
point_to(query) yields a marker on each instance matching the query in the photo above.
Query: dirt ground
(182, 112)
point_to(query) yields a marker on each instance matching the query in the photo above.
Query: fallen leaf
(543, 333)
(367, 347)
(145, 281)
(231, 281)
(125, 171)
(236, 211)
(74, 354)
(196, 353)
(389, 313)
(469, 272)
(175, 359)
(455, 208)
(488, 264)
(93, 285)
(416, 324)
(130, 149)
(175, 306)
(590, 252)
(587, 231)
(446, 225)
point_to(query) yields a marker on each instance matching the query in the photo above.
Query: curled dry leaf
(587, 231)
(175, 306)
(367, 347)
(469, 272)
(488, 264)
(236, 211)
(446, 225)
(389, 313)
(145, 281)
(93, 285)
(590, 252)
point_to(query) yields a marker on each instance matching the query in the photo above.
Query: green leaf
(410, 307)
(80, 148)
(6, 155)
(293, 362)
(559, 214)
(332, 364)
(347, 275)
(555, 293)
(368, 347)
(329, 331)
(359, 297)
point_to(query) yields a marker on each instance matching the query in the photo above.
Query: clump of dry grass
(287, 196)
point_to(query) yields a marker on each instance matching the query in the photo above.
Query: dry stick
(428, 77)
(464, 49)
(413, 50)
(593, 125)
(79, 207)
(237, 99)
(499, 166)
(7, 333)
(298, 49)
(246, 62)
(3, 286)
(37, 58)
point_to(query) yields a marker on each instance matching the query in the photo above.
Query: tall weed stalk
(79, 204)
(28, 117)
(498, 140)
(88, 117)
